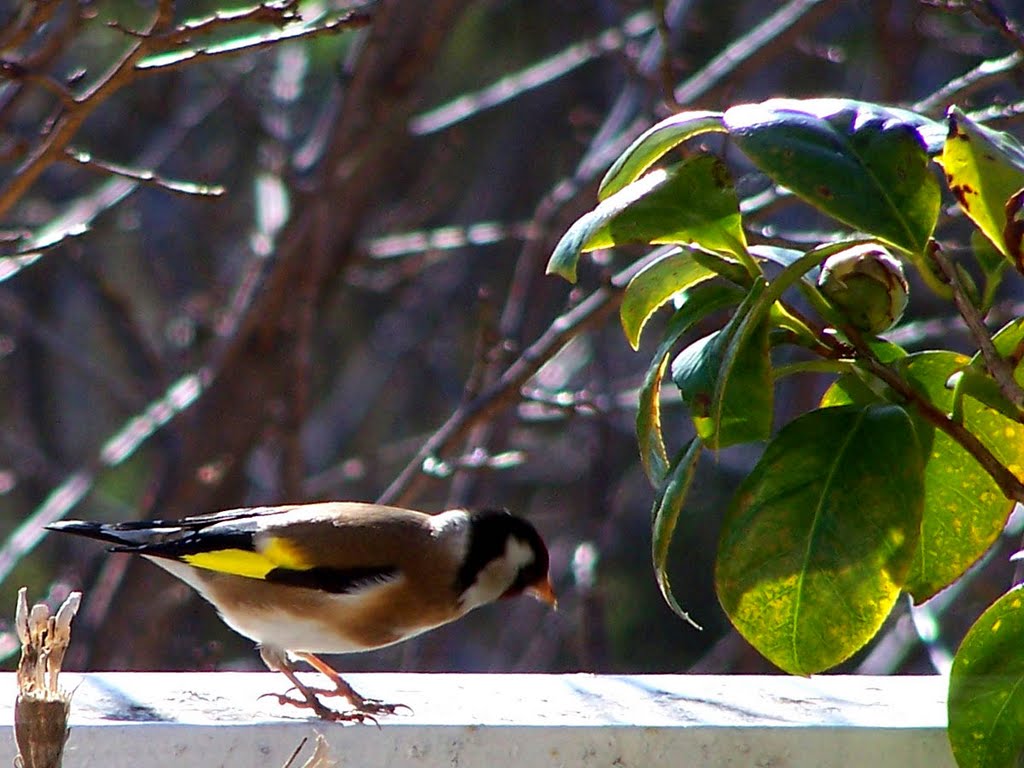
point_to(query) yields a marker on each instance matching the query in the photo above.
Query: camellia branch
(1011, 487)
(997, 365)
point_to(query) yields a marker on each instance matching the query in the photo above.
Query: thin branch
(507, 389)
(488, 338)
(425, 241)
(997, 365)
(163, 62)
(15, 71)
(981, 76)
(275, 13)
(665, 66)
(137, 61)
(52, 146)
(142, 176)
(988, 12)
(766, 39)
(542, 73)
(998, 113)
(28, 19)
(77, 217)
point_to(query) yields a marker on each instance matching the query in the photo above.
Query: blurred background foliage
(373, 265)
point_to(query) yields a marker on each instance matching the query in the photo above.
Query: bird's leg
(341, 688)
(277, 661)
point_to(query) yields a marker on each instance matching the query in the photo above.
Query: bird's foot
(378, 707)
(359, 703)
(326, 713)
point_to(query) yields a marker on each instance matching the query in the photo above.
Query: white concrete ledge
(569, 721)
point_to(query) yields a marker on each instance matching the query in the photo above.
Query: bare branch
(27, 20)
(506, 390)
(542, 73)
(163, 62)
(981, 76)
(989, 12)
(143, 176)
(763, 41)
(277, 14)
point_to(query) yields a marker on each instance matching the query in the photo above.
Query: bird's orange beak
(544, 592)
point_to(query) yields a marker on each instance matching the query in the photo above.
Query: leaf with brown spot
(985, 170)
(1013, 232)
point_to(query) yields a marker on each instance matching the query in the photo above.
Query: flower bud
(866, 284)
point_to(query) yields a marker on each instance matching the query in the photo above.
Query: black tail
(118, 534)
(173, 539)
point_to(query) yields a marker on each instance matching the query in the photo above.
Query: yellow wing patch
(285, 554)
(276, 553)
(237, 562)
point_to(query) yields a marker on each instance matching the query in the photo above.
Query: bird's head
(505, 557)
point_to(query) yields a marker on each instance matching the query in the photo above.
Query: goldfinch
(338, 577)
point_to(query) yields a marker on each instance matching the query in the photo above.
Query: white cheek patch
(518, 554)
(492, 582)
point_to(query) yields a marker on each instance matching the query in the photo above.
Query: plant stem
(1011, 487)
(812, 366)
(997, 365)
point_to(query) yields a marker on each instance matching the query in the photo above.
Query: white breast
(292, 632)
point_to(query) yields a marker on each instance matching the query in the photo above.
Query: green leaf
(983, 169)
(695, 304)
(652, 144)
(654, 286)
(993, 267)
(1006, 341)
(986, 688)
(567, 252)
(964, 510)
(694, 201)
(820, 536)
(726, 378)
(1003, 436)
(666, 515)
(863, 165)
(781, 256)
(724, 266)
(726, 381)
(978, 384)
(886, 351)
(849, 390)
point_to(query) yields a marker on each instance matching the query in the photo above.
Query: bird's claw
(370, 706)
(378, 707)
(326, 713)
